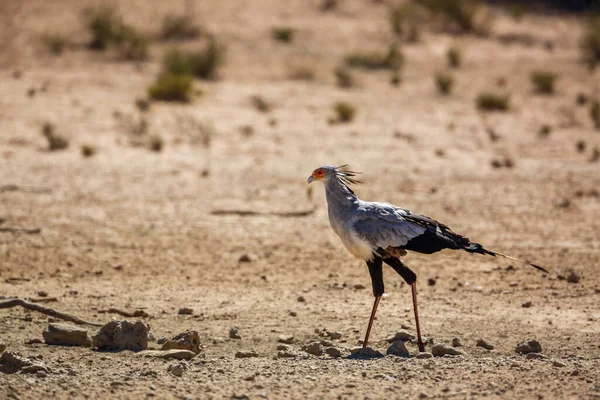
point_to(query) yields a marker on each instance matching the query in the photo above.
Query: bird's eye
(320, 172)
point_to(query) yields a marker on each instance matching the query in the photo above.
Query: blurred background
(154, 155)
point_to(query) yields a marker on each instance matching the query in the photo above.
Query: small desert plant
(493, 102)
(595, 113)
(344, 112)
(545, 130)
(156, 143)
(543, 81)
(393, 59)
(56, 44)
(454, 57)
(55, 142)
(88, 150)
(329, 5)
(172, 87)
(590, 42)
(444, 82)
(179, 27)
(203, 63)
(458, 12)
(343, 77)
(132, 45)
(108, 29)
(283, 34)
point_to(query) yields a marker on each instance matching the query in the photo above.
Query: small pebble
(440, 350)
(529, 346)
(234, 333)
(423, 355)
(246, 354)
(485, 344)
(456, 342)
(288, 339)
(573, 277)
(526, 304)
(314, 348)
(185, 311)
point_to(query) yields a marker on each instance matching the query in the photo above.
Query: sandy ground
(133, 229)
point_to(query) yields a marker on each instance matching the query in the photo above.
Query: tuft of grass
(454, 57)
(344, 112)
(329, 5)
(543, 81)
(56, 44)
(202, 64)
(444, 82)
(156, 143)
(172, 87)
(460, 13)
(393, 59)
(108, 29)
(403, 21)
(179, 27)
(88, 150)
(283, 34)
(545, 130)
(343, 78)
(590, 42)
(595, 113)
(493, 102)
(55, 142)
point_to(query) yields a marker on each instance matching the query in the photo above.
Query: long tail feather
(477, 248)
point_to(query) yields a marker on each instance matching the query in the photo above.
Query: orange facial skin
(318, 174)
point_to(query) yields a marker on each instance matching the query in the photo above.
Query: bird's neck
(338, 194)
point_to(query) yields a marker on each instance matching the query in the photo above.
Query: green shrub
(493, 102)
(458, 12)
(203, 63)
(595, 113)
(344, 112)
(105, 26)
(444, 82)
(172, 87)
(55, 142)
(543, 81)
(454, 57)
(56, 44)
(179, 27)
(343, 77)
(393, 59)
(590, 42)
(283, 34)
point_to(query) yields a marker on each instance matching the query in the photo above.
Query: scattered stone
(573, 277)
(359, 286)
(456, 342)
(247, 258)
(2, 347)
(287, 339)
(32, 341)
(301, 299)
(177, 369)
(66, 335)
(42, 293)
(314, 348)
(293, 314)
(529, 346)
(282, 346)
(176, 354)
(536, 356)
(364, 353)
(185, 311)
(558, 364)
(287, 353)
(401, 335)
(187, 340)
(431, 281)
(398, 349)
(441, 349)
(122, 335)
(333, 335)
(526, 304)
(246, 354)
(13, 362)
(333, 352)
(424, 354)
(234, 333)
(485, 344)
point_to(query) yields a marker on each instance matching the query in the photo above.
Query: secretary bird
(382, 232)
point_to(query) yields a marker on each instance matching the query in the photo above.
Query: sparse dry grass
(203, 63)
(454, 56)
(283, 34)
(172, 87)
(108, 29)
(590, 41)
(179, 27)
(55, 43)
(460, 13)
(595, 113)
(543, 81)
(444, 82)
(343, 78)
(344, 112)
(493, 102)
(392, 59)
(55, 141)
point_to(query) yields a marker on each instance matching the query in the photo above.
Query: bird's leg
(411, 278)
(366, 341)
(376, 272)
(414, 297)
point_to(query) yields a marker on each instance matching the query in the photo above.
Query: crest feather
(346, 175)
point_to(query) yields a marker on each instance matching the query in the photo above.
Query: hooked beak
(310, 179)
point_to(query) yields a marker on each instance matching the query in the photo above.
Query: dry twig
(44, 310)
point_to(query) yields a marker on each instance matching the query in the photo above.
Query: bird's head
(327, 172)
